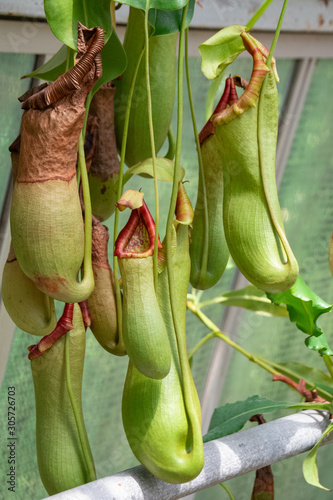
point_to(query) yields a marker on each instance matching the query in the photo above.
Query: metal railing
(225, 458)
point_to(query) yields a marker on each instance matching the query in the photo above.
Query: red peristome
(64, 325)
(223, 102)
(250, 95)
(139, 215)
(233, 93)
(209, 129)
(126, 233)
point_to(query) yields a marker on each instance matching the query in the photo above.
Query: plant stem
(289, 373)
(276, 35)
(280, 311)
(70, 59)
(152, 145)
(262, 122)
(77, 415)
(173, 200)
(88, 102)
(266, 364)
(189, 396)
(329, 364)
(113, 14)
(201, 342)
(204, 257)
(120, 189)
(227, 491)
(216, 332)
(88, 274)
(258, 14)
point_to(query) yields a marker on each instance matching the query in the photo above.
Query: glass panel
(306, 199)
(13, 66)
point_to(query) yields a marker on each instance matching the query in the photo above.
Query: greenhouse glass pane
(13, 66)
(306, 196)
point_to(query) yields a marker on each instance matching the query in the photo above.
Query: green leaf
(166, 22)
(221, 50)
(156, 4)
(53, 68)
(215, 84)
(319, 344)
(114, 61)
(164, 170)
(310, 470)
(304, 308)
(253, 299)
(63, 17)
(327, 388)
(232, 417)
(311, 406)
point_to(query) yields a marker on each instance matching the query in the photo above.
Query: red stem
(310, 396)
(85, 313)
(64, 325)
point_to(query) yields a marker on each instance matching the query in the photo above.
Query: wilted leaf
(304, 308)
(232, 417)
(263, 488)
(130, 199)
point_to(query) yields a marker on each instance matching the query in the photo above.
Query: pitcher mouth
(136, 239)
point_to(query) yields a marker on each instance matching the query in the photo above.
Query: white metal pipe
(225, 458)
